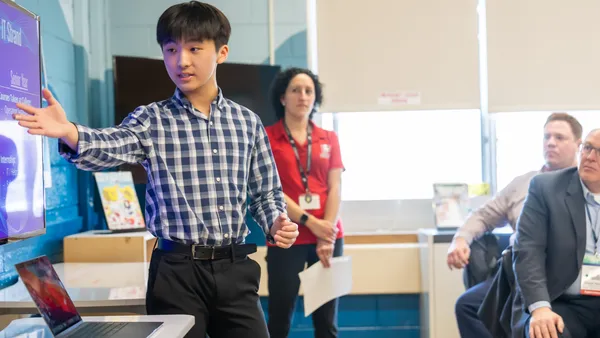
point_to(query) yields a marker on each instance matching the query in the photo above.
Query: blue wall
(377, 316)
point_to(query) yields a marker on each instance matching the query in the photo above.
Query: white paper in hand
(320, 284)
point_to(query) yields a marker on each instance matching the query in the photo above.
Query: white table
(175, 326)
(93, 287)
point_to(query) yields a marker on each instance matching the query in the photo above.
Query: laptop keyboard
(96, 329)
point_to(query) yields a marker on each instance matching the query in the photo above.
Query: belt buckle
(195, 246)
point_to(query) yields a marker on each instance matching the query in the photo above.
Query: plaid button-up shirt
(200, 170)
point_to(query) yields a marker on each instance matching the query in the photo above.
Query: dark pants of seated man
(581, 315)
(467, 305)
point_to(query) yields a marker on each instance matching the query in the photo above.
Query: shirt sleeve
(335, 161)
(491, 215)
(105, 148)
(266, 195)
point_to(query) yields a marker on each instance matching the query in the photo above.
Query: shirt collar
(180, 97)
(589, 197)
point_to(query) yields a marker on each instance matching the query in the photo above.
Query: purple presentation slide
(21, 167)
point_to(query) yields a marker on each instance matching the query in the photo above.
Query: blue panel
(290, 12)
(256, 235)
(53, 20)
(60, 58)
(64, 187)
(299, 48)
(65, 94)
(360, 316)
(358, 311)
(398, 310)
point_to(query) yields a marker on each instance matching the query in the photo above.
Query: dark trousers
(467, 305)
(283, 266)
(222, 295)
(581, 315)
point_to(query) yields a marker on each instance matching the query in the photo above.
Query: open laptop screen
(48, 293)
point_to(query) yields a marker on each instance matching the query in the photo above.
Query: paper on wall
(399, 98)
(320, 284)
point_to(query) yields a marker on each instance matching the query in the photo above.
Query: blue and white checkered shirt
(200, 170)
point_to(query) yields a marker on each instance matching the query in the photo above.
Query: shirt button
(221, 208)
(226, 236)
(214, 151)
(218, 179)
(210, 123)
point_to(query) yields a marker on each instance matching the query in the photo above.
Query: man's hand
(544, 323)
(284, 231)
(458, 253)
(323, 229)
(325, 252)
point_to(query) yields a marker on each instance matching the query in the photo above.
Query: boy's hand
(50, 121)
(284, 231)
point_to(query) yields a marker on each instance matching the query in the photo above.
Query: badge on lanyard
(590, 275)
(306, 201)
(309, 202)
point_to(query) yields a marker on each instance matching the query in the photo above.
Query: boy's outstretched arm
(89, 149)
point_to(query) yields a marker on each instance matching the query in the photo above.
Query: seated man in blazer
(561, 139)
(558, 238)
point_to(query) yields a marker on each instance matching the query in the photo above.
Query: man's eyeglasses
(587, 148)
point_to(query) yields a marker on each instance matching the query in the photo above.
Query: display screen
(21, 168)
(49, 294)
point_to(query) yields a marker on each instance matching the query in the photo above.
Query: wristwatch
(270, 239)
(303, 219)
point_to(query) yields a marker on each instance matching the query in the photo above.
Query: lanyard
(593, 226)
(303, 173)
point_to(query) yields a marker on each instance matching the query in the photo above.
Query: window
(399, 155)
(519, 141)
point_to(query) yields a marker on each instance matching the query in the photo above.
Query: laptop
(59, 312)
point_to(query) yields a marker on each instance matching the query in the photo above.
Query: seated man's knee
(464, 303)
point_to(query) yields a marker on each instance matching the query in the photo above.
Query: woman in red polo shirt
(310, 167)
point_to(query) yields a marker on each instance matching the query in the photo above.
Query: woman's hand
(324, 230)
(325, 252)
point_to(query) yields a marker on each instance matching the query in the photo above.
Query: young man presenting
(203, 154)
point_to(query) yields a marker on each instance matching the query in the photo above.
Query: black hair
(193, 21)
(281, 83)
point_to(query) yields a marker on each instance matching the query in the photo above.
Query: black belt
(203, 252)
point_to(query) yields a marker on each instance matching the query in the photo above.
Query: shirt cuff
(83, 144)
(538, 305)
(465, 235)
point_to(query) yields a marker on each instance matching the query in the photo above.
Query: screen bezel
(39, 33)
(35, 261)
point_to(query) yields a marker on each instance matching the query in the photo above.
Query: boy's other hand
(284, 231)
(50, 121)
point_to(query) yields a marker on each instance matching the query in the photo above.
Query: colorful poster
(119, 200)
